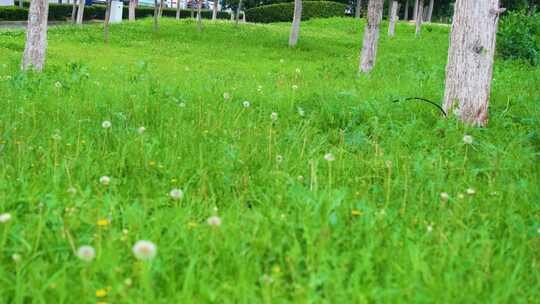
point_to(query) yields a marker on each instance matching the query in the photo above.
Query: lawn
(335, 198)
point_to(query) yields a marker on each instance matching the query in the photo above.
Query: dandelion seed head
(144, 250)
(214, 221)
(16, 257)
(429, 228)
(444, 197)
(301, 112)
(5, 217)
(106, 124)
(279, 158)
(274, 116)
(86, 253)
(141, 130)
(468, 139)
(246, 104)
(226, 96)
(58, 84)
(176, 194)
(105, 180)
(471, 191)
(329, 157)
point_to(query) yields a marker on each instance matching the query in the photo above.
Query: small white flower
(176, 194)
(329, 157)
(105, 180)
(295, 87)
(279, 158)
(471, 191)
(226, 96)
(58, 84)
(16, 257)
(246, 104)
(468, 139)
(444, 197)
(144, 250)
(301, 112)
(5, 217)
(106, 124)
(141, 130)
(274, 116)
(429, 228)
(214, 221)
(86, 253)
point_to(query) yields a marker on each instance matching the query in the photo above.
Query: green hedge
(62, 12)
(284, 12)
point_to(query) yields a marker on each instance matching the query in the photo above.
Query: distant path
(22, 24)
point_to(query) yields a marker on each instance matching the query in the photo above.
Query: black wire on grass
(425, 100)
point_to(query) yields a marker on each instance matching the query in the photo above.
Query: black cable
(425, 100)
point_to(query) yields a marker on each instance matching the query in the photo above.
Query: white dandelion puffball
(471, 191)
(141, 130)
(214, 221)
(468, 140)
(279, 158)
(301, 112)
(86, 253)
(58, 84)
(274, 116)
(106, 124)
(105, 180)
(5, 217)
(329, 157)
(246, 104)
(144, 250)
(444, 197)
(429, 228)
(16, 257)
(226, 96)
(176, 194)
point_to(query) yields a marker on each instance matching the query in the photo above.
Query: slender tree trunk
(80, 12)
(406, 17)
(177, 9)
(215, 10)
(160, 8)
(232, 15)
(393, 18)
(469, 70)
(430, 10)
(415, 13)
(419, 18)
(371, 36)
(199, 16)
(106, 22)
(156, 13)
(21, 3)
(297, 18)
(192, 9)
(358, 11)
(36, 36)
(238, 11)
(131, 13)
(73, 12)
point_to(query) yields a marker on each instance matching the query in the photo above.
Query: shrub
(519, 37)
(283, 12)
(62, 12)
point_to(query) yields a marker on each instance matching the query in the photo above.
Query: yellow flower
(103, 222)
(356, 213)
(101, 293)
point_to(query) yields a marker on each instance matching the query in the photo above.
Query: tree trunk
(371, 36)
(393, 18)
(406, 17)
(160, 8)
(80, 12)
(470, 60)
(295, 29)
(215, 10)
(238, 12)
(199, 16)
(36, 36)
(358, 9)
(232, 15)
(106, 21)
(156, 13)
(131, 10)
(415, 12)
(430, 11)
(73, 12)
(177, 9)
(192, 9)
(419, 18)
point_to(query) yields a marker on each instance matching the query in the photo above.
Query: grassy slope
(301, 234)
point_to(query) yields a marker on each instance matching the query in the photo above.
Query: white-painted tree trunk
(406, 17)
(106, 22)
(469, 70)
(80, 12)
(74, 12)
(199, 16)
(297, 18)
(156, 13)
(215, 11)
(131, 13)
(177, 9)
(238, 11)
(415, 12)
(393, 19)
(371, 36)
(430, 10)
(36, 36)
(161, 5)
(358, 11)
(419, 18)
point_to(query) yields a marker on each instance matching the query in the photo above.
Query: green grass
(303, 230)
